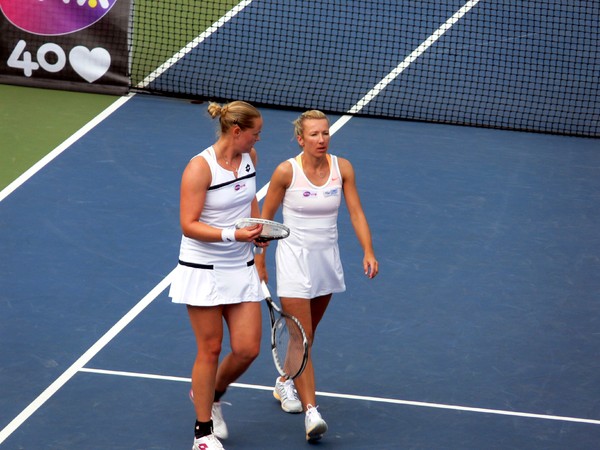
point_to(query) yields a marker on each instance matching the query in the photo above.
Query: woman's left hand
(371, 266)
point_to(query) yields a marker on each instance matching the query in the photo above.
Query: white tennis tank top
(311, 211)
(308, 261)
(228, 199)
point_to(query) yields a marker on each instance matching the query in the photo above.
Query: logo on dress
(239, 186)
(331, 193)
(309, 194)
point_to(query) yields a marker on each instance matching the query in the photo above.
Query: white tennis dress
(308, 261)
(218, 273)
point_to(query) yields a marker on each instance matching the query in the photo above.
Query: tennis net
(530, 66)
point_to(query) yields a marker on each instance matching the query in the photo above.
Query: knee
(247, 352)
(209, 351)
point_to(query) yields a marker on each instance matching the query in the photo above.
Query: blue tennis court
(484, 311)
(481, 330)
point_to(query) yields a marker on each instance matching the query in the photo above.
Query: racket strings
(289, 346)
(273, 231)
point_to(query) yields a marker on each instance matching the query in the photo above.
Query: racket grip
(265, 289)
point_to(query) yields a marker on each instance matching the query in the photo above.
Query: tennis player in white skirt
(309, 270)
(216, 277)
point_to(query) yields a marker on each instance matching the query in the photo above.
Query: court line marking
(142, 304)
(85, 358)
(425, 45)
(193, 44)
(121, 101)
(356, 397)
(385, 81)
(39, 165)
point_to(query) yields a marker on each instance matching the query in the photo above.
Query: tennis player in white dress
(309, 271)
(216, 277)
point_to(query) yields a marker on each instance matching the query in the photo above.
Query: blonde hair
(307, 115)
(237, 113)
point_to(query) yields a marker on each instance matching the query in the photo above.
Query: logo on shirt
(247, 168)
(309, 194)
(331, 193)
(239, 186)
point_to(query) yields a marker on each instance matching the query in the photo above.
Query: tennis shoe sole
(317, 431)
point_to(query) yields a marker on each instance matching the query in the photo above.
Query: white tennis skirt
(212, 287)
(308, 273)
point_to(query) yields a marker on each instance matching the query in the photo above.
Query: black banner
(79, 45)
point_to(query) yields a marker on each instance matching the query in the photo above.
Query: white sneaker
(314, 424)
(285, 392)
(219, 425)
(209, 442)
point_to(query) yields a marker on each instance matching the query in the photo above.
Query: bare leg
(244, 323)
(309, 313)
(207, 324)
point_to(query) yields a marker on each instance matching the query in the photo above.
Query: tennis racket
(271, 230)
(289, 345)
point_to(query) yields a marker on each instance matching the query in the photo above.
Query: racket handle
(265, 289)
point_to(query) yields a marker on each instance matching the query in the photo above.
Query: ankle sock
(203, 429)
(219, 394)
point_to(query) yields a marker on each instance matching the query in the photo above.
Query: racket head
(271, 230)
(289, 345)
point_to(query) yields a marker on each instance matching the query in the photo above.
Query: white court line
(142, 304)
(137, 309)
(385, 81)
(359, 397)
(121, 101)
(193, 44)
(412, 57)
(85, 358)
(62, 147)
